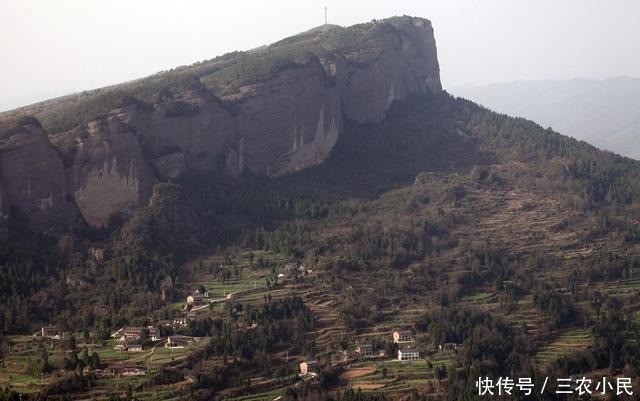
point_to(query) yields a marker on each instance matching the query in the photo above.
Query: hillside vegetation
(460, 224)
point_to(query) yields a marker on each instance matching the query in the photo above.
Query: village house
(403, 336)
(134, 347)
(126, 368)
(451, 347)
(197, 300)
(128, 347)
(180, 320)
(365, 351)
(133, 333)
(408, 354)
(177, 341)
(309, 367)
(50, 332)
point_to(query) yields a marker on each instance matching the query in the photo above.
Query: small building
(408, 354)
(134, 347)
(404, 336)
(128, 347)
(126, 368)
(451, 347)
(177, 341)
(180, 320)
(133, 333)
(308, 367)
(197, 300)
(50, 332)
(365, 351)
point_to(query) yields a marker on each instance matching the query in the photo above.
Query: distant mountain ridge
(605, 113)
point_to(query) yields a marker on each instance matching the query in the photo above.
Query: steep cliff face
(33, 179)
(399, 61)
(4, 213)
(287, 122)
(189, 130)
(109, 174)
(290, 118)
(272, 111)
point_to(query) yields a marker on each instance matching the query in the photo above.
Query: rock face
(109, 174)
(4, 213)
(387, 68)
(290, 119)
(183, 131)
(33, 179)
(279, 112)
(287, 122)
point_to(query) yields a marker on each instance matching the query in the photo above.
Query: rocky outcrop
(287, 122)
(33, 179)
(397, 62)
(281, 109)
(109, 175)
(291, 119)
(190, 130)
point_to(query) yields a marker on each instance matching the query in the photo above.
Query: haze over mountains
(605, 113)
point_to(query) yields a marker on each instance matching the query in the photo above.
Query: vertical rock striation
(33, 179)
(272, 111)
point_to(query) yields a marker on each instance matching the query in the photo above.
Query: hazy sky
(54, 47)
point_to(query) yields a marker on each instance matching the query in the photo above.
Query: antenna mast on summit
(326, 27)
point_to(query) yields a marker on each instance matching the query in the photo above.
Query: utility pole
(326, 27)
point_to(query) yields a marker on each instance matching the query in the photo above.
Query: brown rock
(189, 131)
(109, 175)
(287, 122)
(33, 179)
(399, 60)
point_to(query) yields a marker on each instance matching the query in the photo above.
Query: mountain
(605, 113)
(271, 111)
(304, 202)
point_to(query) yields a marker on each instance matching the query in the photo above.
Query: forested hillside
(466, 227)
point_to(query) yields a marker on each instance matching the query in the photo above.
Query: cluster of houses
(126, 368)
(407, 351)
(129, 339)
(293, 269)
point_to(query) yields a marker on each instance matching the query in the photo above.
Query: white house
(365, 351)
(408, 354)
(404, 336)
(133, 333)
(50, 332)
(308, 367)
(177, 341)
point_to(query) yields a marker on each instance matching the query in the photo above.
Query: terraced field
(13, 371)
(563, 344)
